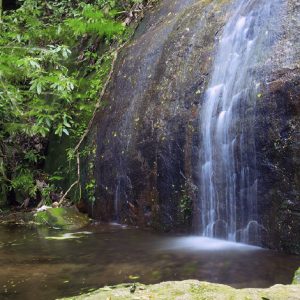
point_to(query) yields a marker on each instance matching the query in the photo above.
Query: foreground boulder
(192, 289)
(296, 279)
(62, 218)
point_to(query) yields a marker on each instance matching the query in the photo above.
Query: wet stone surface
(147, 139)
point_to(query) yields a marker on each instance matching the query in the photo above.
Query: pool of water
(49, 264)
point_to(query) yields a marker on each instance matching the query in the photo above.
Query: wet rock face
(278, 166)
(147, 136)
(277, 127)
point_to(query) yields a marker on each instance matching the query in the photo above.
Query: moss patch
(62, 217)
(192, 289)
(296, 279)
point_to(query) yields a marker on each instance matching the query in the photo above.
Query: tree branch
(1, 10)
(74, 183)
(116, 52)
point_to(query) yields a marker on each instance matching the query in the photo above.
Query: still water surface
(38, 264)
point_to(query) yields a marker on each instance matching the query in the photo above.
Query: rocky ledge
(191, 289)
(59, 218)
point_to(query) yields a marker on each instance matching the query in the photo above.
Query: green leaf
(66, 131)
(39, 88)
(133, 277)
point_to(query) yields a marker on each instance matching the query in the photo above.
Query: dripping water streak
(228, 180)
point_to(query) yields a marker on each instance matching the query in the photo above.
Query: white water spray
(227, 171)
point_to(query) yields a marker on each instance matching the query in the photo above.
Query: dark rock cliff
(147, 137)
(277, 127)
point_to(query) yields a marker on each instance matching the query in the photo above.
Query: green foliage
(90, 189)
(24, 182)
(185, 207)
(54, 59)
(89, 153)
(93, 21)
(38, 87)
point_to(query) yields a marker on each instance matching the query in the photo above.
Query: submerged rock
(192, 289)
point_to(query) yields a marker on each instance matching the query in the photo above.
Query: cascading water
(227, 171)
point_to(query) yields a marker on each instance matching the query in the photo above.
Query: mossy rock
(191, 289)
(16, 218)
(62, 217)
(296, 279)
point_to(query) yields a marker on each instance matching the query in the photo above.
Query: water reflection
(37, 265)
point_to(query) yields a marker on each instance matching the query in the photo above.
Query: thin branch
(25, 48)
(78, 173)
(90, 126)
(128, 12)
(76, 149)
(116, 52)
(67, 192)
(1, 10)
(74, 183)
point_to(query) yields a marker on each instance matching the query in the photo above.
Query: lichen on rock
(296, 279)
(62, 218)
(192, 290)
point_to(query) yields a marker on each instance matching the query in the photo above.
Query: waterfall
(227, 172)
